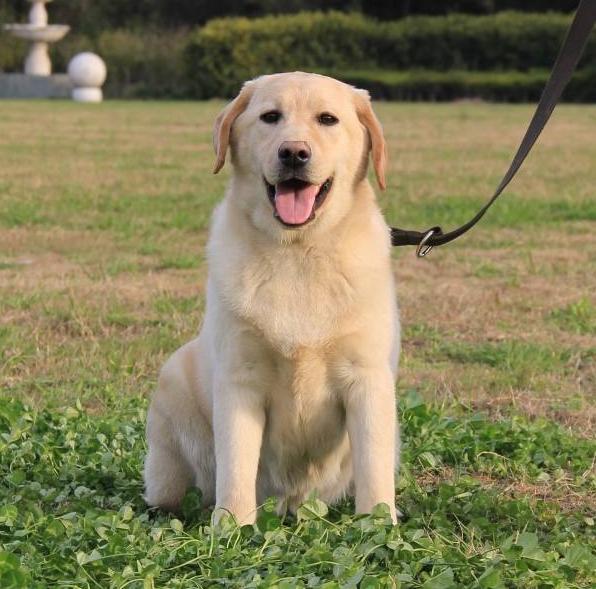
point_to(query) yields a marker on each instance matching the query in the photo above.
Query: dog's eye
(328, 119)
(271, 117)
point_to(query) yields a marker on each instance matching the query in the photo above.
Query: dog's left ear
(375, 132)
(224, 122)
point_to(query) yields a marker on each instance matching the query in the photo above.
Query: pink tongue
(294, 205)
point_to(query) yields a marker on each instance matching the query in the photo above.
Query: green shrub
(227, 51)
(508, 41)
(140, 64)
(12, 53)
(500, 86)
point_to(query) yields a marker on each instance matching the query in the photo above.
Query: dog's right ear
(375, 132)
(224, 122)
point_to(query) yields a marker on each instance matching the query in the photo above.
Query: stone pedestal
(25, 86)
(38, 60)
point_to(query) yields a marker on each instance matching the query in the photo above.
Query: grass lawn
(104, 213)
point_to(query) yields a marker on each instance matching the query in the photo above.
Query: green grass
(102, 276)
(72, 510)
(579, 317)
(514, 211)
(518, 364)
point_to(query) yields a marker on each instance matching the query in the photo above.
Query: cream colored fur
(289, 388)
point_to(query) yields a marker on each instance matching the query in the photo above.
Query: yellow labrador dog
(289, 388)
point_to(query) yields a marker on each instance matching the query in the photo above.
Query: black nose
(294, 154)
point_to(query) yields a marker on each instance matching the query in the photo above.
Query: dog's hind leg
(167, 475)
(179, 438)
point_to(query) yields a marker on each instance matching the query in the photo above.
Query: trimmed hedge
(424, 85)
(227, 51)
(505, 41)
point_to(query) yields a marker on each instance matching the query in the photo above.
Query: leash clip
(423, 248)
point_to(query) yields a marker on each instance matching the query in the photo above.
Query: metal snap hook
(422, 248)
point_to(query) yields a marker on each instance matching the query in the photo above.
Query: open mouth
(295, 201)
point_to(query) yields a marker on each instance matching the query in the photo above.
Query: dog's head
(300, 145)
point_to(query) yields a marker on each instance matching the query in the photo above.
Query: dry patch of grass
(562, 492)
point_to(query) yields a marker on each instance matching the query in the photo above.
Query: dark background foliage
(93, 16)
(498, 50)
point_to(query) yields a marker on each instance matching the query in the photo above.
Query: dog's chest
(294, 296)
(305, 418)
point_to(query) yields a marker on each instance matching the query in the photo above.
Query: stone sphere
(87, 70)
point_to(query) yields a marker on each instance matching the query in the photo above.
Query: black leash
(565, 65)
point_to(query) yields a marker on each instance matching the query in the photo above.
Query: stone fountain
(40, 34)
(38, 80)
(87, 71)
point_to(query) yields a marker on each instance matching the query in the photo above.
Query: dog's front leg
(238, 423)
(372, 424)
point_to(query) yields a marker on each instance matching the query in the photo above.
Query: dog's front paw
(221, 515)
(385, 511)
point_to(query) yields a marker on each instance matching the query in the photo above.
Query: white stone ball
(87, 70)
